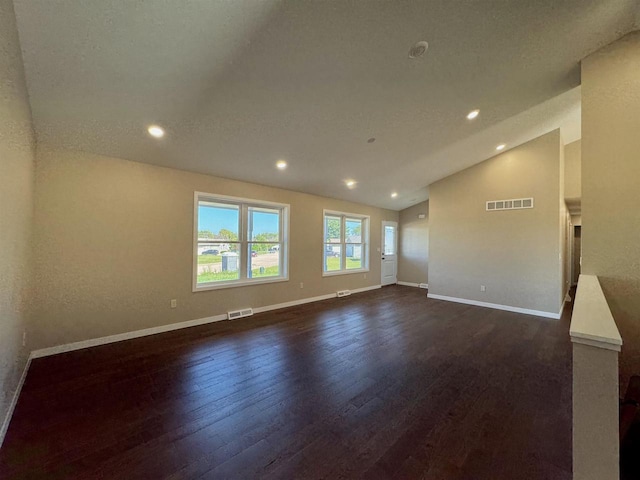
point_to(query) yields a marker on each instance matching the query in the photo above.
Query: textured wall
(595, 422)
(611, 185)
(413, 254)
(16, 206)
(573, 170)
(113, 242)
(515, 253)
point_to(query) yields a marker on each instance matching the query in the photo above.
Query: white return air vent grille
(512, 204)
(245, 312)
(344, 293)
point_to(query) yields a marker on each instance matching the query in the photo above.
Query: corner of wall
(17, 162)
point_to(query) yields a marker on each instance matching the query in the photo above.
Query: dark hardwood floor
(382, 384)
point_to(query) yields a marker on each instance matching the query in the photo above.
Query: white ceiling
(240, 84)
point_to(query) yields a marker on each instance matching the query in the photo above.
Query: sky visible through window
(215, 219)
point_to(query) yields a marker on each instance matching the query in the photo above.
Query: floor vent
(344, 293)
(423, 285)
(245, 312)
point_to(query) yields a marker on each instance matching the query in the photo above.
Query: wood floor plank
(383, 384)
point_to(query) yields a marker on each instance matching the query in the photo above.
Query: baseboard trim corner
(497, 306)
(14, 402)
(416, 285)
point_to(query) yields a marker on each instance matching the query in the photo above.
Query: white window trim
(245, 202)
(365, 236)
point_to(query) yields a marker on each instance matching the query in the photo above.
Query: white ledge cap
(591, 322)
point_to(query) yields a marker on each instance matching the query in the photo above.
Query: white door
(389, 253)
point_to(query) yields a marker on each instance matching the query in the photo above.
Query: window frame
(365, 236)
(243, 239)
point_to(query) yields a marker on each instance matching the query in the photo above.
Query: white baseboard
(293, 303)
(366, 289)
(94, 342)
(411, 284)
(497, 306)
(14, 401)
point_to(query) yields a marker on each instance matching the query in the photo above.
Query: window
(389, 240)
(238, 241)
(345, 243)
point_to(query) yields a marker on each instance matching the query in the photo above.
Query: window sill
(237, 283)
(345, 272)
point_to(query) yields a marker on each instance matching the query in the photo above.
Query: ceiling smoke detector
(418, 50)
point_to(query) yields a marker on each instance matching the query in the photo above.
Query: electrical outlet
(365, 276)
(24, 338)
(174, 303)
(301, 285)
(483, 288)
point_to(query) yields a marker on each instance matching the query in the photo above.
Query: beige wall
(573, 170)
(566, 248)
(16, 197)
(595, 413)
(515, 254)
(565, 220)
(611, 185)
(413, 254)
(113, 242)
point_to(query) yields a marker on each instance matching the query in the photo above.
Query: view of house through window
(238, 241)
(345, 242)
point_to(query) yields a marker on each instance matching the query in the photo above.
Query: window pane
(264, 224)
(332, 256)
(353, 231)
(220, 267)
(389, 240)
(353, 255)
(332, 227)
(264, 260)
(238, 241)
(218, 223)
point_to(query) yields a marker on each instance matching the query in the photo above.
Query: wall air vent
(245, 312)
(513, 204)
(343, 293)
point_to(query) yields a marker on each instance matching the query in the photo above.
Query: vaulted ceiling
(240, 84)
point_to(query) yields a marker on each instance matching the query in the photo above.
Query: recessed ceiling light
(473, 114)
(156, 131)
(418, 50)
(350, 183)
(281, 164)
(501, 146)
(394, 194)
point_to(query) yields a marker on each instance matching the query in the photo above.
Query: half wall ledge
(596, 343)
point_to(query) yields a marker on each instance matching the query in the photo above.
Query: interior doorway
(577, 254)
